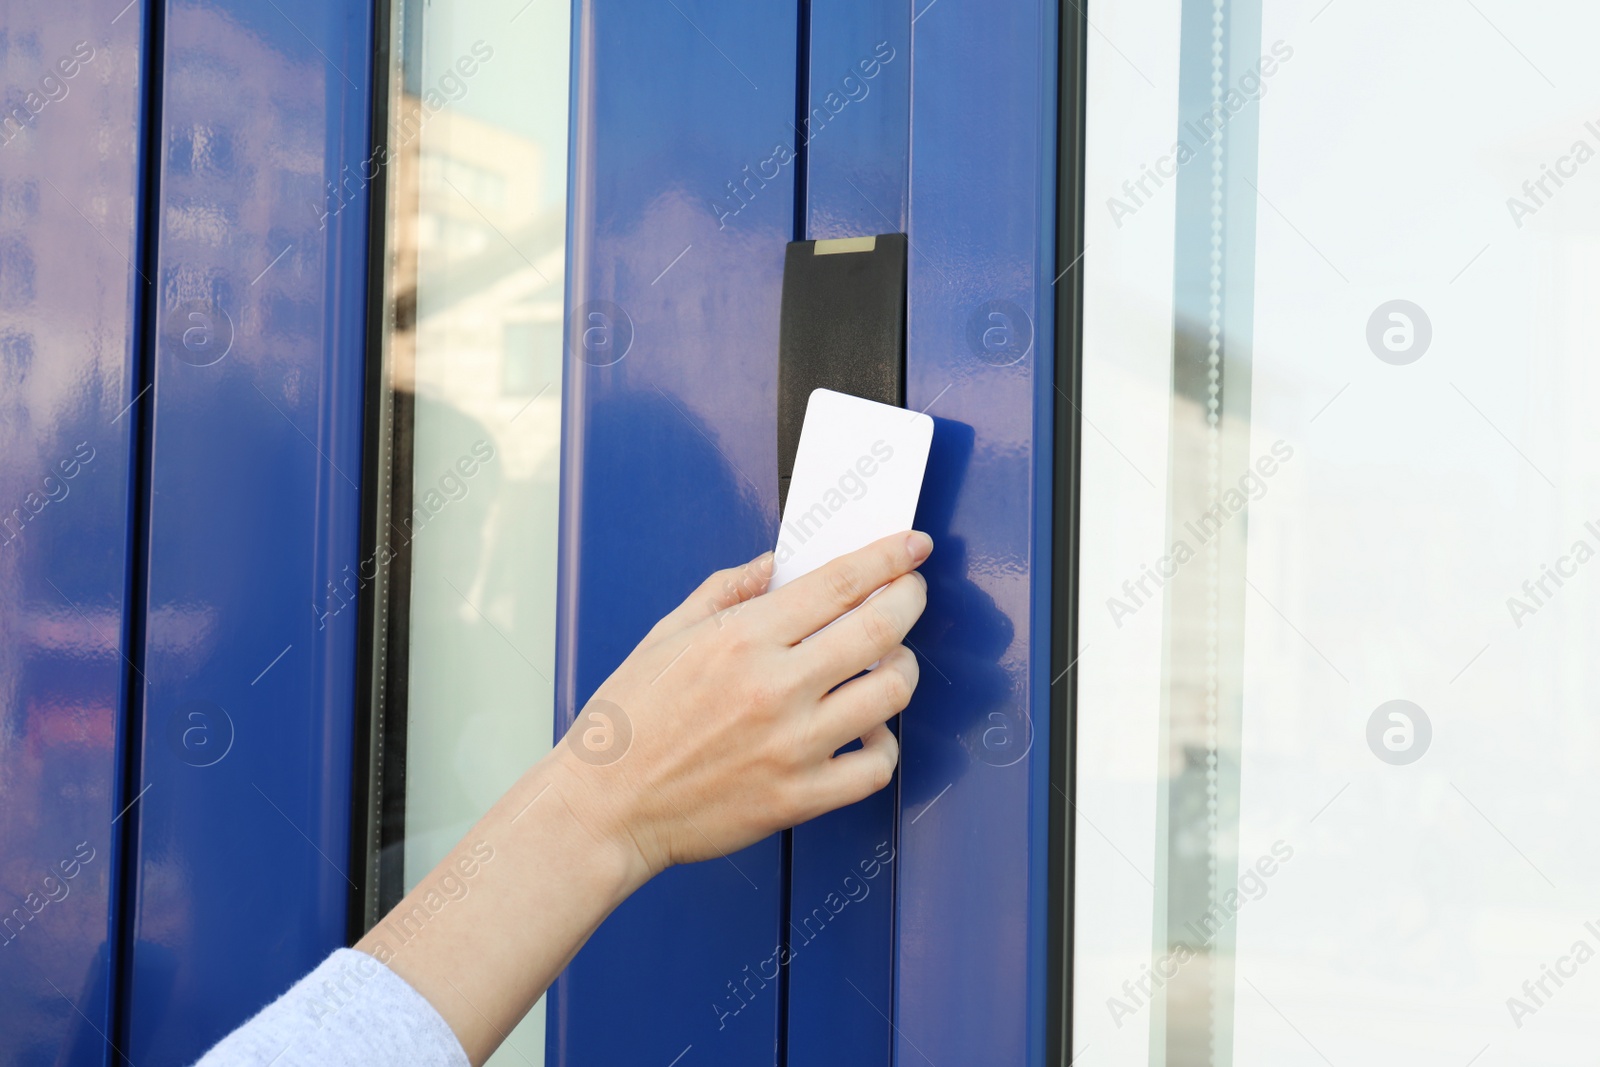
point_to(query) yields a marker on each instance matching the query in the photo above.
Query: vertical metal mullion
(802, 103)
(373, 693)
(137, 592)
(1072, 68)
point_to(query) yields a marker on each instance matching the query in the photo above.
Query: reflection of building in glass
(486, 263)
(476, 247)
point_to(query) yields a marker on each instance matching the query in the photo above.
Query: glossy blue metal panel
(858, 117)
(69, 196)
(681, 205)
(858, 125)
(251, 630)
(972, 939)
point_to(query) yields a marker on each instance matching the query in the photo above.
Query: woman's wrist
(605, 808)
(532, 880)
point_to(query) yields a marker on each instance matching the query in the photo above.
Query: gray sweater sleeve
(350, 1010)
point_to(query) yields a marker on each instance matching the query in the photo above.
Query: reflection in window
(1198, 795)
(473, 300)
(1332, 750)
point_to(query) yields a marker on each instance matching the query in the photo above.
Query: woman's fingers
(739, 739)
(857, 775)
(866, 635)
(811, 602)
(725, 589)
(857, 707)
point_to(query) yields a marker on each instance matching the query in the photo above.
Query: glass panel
(475, 251)
(1335, 690)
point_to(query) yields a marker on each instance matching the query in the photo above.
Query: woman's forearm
(487, 931)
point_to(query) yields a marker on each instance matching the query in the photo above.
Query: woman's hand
(721, 726)
(719, 729)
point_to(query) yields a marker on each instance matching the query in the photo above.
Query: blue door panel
(254, 513)
(971, 939)
(842, 865)
(688, 146)
(857, 118)
(69, 203)
(681, 205)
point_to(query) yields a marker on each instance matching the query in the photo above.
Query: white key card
(857, 475)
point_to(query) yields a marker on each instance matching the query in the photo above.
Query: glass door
(1338, 509)
(468, 442)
